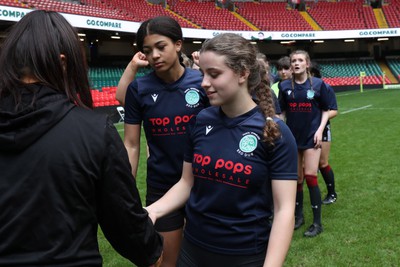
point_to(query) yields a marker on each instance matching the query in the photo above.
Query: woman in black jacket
(64, 169)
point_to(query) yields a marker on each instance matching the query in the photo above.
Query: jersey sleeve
(324, 97)
(133, 114)
(332, 98)
(283, 163)
(124, 222)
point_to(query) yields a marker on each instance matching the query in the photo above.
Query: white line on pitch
(355, 109)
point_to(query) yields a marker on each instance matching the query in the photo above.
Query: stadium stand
(347, 72)
(394, 65)
(343, 15)
(206, 15)
(273, 16)
(391, 13)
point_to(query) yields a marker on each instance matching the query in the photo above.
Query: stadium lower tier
(105, 97)
(355, 80)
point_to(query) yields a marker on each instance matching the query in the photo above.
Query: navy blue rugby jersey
(230, 202)
(165, 111)
(303, 105)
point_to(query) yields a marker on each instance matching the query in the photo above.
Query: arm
(124, 222)
(138, 61)
(176, 197)
(284, 195)
(318, 133)
(132, 144)
(332, 113)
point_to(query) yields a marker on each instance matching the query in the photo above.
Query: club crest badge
(310, 94)
(192, 97)
(248, 143)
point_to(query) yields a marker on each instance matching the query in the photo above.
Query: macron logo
(208, 129)
(154, 96)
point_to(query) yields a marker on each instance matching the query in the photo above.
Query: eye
(161, 47)
(214, 75)
(146, 52)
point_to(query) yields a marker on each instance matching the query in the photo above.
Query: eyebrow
(157, 43)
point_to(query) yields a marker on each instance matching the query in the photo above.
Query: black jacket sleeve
(124, 222)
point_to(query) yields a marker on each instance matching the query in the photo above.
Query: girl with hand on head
(164, 101)
(240, 158)
(304, 101)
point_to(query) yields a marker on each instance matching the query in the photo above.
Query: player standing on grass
(304, 101)
(239, 160)
(165, 101)
(324, 167)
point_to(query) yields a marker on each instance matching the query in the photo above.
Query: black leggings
(194, 256)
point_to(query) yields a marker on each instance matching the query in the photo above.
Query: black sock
(299, 201)
(315, 197)
(329, 178)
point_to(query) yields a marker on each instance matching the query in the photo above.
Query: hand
(196, 57)
(151, 214)
(318, 139)
(139, 60)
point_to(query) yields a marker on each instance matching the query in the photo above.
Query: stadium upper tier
(248, 16)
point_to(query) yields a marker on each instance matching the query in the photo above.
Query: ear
(243, 76)
(178, 46)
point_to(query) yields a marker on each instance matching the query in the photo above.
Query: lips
(158, 65)
(210, 93)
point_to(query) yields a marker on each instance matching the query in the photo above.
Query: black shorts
(194, 256)
(170, 222)
(326, 135)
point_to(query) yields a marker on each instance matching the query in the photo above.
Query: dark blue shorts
(195, 256)
(170, 222)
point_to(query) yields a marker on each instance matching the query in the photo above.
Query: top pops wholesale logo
(222, 164)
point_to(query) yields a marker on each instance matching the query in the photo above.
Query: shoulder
(192, 78)
(317, 82)
(89, 117)
(285, 84)
(207, 114)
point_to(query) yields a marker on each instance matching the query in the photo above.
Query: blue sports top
(165, 110)
(303, 105)
(231, 198)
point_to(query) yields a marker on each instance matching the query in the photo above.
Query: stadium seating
(206, 15)
(343, 15)
(392, 12)
(104, 82)
(347, 72)
(273, 16)
(394, 65)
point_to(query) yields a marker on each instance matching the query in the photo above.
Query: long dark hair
(240, 56)
(33, 49)
(162, 25)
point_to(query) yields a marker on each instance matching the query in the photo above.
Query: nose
(155, 53)
(205, 83)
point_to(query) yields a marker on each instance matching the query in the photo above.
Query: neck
(243, 104)
(301, 78)
(173, 74)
